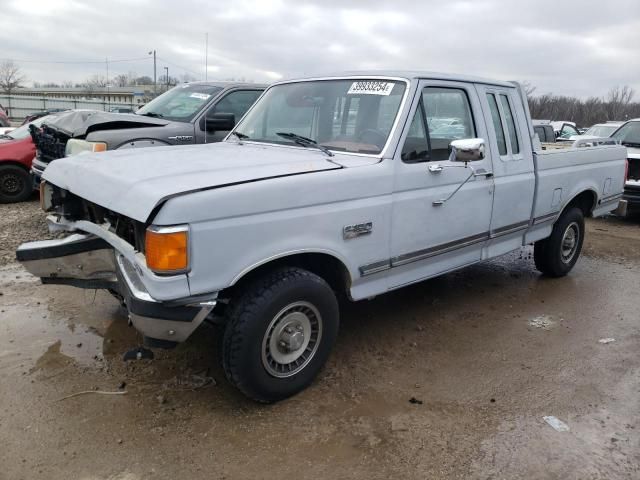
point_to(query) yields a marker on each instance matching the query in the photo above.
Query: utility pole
(106, 60)
(155, 90)
(206, 55)
(167, 69)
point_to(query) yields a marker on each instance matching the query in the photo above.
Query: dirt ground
(450, 378)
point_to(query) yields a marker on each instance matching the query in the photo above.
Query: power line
(76, 62)
(180, 67)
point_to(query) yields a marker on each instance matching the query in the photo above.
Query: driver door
(434, 227)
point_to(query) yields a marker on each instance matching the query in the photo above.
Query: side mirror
(218, 122)
(467, 150)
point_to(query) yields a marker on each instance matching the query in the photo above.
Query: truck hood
(78, 123)
(134, 182)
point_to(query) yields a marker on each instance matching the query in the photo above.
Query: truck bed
(601, 166)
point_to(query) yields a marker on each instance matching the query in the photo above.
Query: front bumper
(89, 260)
(37, 170)
(632, 196)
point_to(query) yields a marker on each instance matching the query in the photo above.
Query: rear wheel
(279, 334)
(556, 255)
(15, 184)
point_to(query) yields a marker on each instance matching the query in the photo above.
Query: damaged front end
(105, 250)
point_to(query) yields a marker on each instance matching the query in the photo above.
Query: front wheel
(279, 334)
(15, 184)
(556, 255)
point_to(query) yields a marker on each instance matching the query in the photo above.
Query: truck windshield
(181, 103)
(22, 132)
(629, 134)
(601, 130)
(343, 115)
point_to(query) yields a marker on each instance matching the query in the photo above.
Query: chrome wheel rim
(291, 339)
(570, 241)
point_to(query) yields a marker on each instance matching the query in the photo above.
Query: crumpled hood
(77, 123)
(133, 182)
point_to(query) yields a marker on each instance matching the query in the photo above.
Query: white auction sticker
(200, 96)
(370, 87)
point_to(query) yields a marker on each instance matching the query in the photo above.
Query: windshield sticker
(199, 96)
(370, 88)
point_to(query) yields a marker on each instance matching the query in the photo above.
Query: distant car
(629, 136)
(4, 117)
(599, 130)
(121, 110)
(35, 115)
(197, 112)
(545, 133)
(564, 130)
(16, 155)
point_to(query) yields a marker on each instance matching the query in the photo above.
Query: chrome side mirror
(467, 150)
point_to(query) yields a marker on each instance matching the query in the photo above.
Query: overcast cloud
(578, 48)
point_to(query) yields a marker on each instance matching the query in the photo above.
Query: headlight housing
(76, 146)
(167, 249)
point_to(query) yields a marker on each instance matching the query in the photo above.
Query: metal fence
(19, 106)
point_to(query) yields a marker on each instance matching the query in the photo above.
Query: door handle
(435, 168)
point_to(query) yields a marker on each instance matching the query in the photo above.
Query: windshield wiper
(631, 144)
(4, 135)
(241, 136)
(151, 114)
(305, 142)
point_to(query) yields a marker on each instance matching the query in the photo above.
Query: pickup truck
(629, 135)
(198, 112)
(328, 188)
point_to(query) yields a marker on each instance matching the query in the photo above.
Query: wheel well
(585, 201)
(326, 266)
(13, 163)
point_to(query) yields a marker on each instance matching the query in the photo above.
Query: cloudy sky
(570, 47)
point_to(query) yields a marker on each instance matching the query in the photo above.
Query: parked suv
(198, 112)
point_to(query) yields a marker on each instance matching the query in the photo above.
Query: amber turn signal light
(166, 249)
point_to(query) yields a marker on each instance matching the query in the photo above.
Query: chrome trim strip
(545, 218)
(438, 249)
(170, 229)
(610, 198)
(507, 229)
(418, 255)
(375, 267)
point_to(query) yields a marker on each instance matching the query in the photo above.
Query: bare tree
(616, 105)
(10, 76)
(121, 80)
(528, 87)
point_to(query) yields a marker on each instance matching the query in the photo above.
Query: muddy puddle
(450, 378)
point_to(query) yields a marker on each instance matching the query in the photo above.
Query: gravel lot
(449, 378)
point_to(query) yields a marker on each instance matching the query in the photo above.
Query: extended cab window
(511, 125)
(568, 131)
(447, 114)
(497, 123)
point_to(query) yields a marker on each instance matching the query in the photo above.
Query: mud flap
(83, 261)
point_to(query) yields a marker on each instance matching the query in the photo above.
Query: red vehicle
(16, 154)
(4, 117)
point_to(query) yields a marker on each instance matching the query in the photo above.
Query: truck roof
(409, 75)
(227, 84)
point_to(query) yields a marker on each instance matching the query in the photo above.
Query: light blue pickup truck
(341, 186)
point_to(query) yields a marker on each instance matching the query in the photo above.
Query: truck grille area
(50, 143)
(73, 207)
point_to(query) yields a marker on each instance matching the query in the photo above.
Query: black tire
(556, 255)
(15, 184)
(266, 306)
